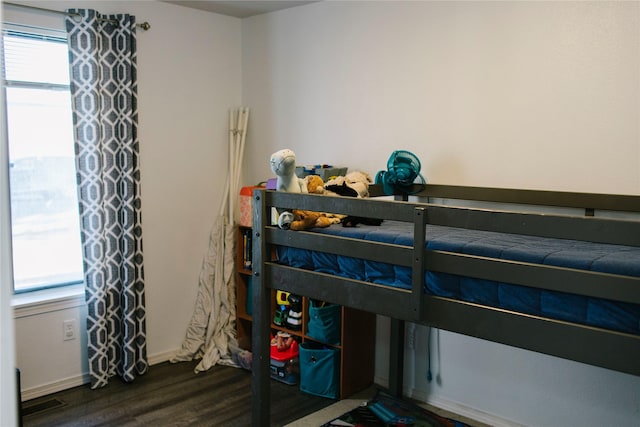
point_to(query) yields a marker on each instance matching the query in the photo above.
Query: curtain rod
(145, 25)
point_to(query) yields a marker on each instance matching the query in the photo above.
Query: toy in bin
(281, 312)
(284, 365)
(294, 316)
(280, 315)
(288, 312)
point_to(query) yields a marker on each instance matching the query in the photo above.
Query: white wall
(541, 95)
(189, 75)
(518, 94)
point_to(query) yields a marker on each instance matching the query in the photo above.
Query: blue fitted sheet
(614, 259)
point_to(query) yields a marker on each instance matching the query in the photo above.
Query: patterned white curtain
(102, 56)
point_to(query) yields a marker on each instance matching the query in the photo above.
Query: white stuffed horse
(283, 164)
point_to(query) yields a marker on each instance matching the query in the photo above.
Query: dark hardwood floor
(170, 395)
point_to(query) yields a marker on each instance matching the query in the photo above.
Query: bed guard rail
(394, 302)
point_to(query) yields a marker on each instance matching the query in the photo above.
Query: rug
(385, 410)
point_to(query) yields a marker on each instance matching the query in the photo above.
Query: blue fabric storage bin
(320, 370)
(324, 323)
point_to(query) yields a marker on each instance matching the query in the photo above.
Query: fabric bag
(324, 322)
(319, 370)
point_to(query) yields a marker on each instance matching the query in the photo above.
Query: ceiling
(240, 8)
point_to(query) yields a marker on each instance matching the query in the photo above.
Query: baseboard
(165, 356)
(465, 411)
(55, 386)
(452, 406)
(78, 380)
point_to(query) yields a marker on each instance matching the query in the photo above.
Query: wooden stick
(236, 166)
(243, 118)
(233, 131)
(241, 145)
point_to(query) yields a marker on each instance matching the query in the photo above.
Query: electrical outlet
(69, 330)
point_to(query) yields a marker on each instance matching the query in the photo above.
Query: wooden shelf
(357, 335)
(244, 316)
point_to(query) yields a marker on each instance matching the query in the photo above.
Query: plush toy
(315, 184)
(353, 184)
(283, 164)
(304, 220)
(282, 341)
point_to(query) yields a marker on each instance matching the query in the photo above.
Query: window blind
(34, 58)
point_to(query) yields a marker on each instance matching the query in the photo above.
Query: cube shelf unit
(358, 328)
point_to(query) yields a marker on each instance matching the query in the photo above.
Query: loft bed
(527, 290)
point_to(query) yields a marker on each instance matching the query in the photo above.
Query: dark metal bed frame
(606, 348)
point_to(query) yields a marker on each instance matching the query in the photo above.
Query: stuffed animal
(315, 184)
(283, 164)
(353, 184)
(282, 341)
(304, 220)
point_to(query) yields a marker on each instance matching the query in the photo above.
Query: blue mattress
(614, 259)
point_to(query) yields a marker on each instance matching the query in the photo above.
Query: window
(42, 175)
